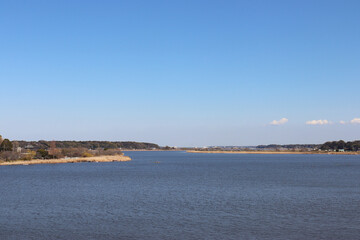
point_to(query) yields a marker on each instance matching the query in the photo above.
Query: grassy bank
(107, 158)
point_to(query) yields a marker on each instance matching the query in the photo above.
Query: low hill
(35, 145)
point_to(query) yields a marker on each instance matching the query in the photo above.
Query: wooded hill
(35, 145)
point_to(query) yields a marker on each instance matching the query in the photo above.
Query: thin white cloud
(355, 121)
(342, 122)
(317, 122)
(279, 122)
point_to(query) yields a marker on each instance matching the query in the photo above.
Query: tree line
(327, 146)
(5, 145)
(339, 145)
(27, 150)
(87, 144)
(289, 146)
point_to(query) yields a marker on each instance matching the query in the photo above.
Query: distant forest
(337, 145)
(328, 146)
(289, 146)
(35, 145)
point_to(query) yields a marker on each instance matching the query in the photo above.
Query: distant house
(29, 146)
(341, 150)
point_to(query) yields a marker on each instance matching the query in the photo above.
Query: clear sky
(180, 73)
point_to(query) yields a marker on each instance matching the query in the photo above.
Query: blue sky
(181, 73)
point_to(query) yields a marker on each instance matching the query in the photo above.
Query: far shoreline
(150, 150)
(105, 158)
(275, 152)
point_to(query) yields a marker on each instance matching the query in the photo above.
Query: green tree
(42, 153)
(6, 145)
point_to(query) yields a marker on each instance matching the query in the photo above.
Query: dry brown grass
(113, 158)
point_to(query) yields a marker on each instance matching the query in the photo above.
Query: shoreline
(105, 158)
(149, 150)
(273, 152)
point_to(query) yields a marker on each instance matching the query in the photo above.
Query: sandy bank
(273, 152)
(108, 158)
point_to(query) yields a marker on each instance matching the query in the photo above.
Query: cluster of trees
(337, 145)
(6, 150)
(290, 146)
(27, 150)
(5, 145)
(87, 144)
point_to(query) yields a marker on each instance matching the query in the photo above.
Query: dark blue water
(184, 196)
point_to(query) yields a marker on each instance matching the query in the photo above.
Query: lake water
(178, 195)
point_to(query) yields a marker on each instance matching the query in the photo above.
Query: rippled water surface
(178, 195)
